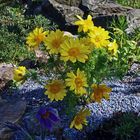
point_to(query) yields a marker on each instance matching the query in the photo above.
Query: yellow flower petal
(84, 25)
(113, 47)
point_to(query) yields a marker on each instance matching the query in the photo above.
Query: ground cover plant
(14, 27)
(131, 3)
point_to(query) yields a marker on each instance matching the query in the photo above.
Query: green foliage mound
(14, 27)
(122, 126)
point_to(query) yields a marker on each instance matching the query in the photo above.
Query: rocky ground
(124, 97)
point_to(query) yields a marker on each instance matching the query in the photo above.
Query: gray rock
(61, 13)
(133, 20)
(6, 73)
(104, 8)
(10, 112)
(93, 4)
(69, 2)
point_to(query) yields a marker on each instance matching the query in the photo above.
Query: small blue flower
(47, 117)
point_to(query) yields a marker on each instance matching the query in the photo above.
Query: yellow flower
(54, 40)
(113, 47)
(55, 90)
(100, 92)
(99, 37)
(84, 25)
(36, 37)
(77, 82)
(19, 73)
(80, 119)
(74, 51)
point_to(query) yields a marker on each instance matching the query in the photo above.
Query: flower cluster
(73, 52)
(80, 64)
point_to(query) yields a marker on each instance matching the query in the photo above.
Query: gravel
(122, 98)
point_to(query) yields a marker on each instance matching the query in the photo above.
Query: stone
(64, 12)
(10, 112)
(6, 74)
(28, 63)
(133, 19)
(41, 56)
(68, 34)
(93, 4)
(104, 11)
(61, 13)
(70, 2)
(100, 8)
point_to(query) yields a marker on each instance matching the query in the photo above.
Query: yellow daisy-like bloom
(55, 90)
(74, 51)
(77, 82)
(84, 25)
(80, 119)
(113, 47)
(36, 37)
(19, 73)
(100, 92)
(99, 37)
(54, 40)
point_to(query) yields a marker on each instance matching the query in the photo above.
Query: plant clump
(122, 126)
(80, 64)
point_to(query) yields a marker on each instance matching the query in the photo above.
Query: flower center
(79, 120)
(78, 82)
(74, 52)
(98, 93)
(97, 39)
(54, 88)
(39, 39)
(20, 74)
(56, 43)
(45, 115)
